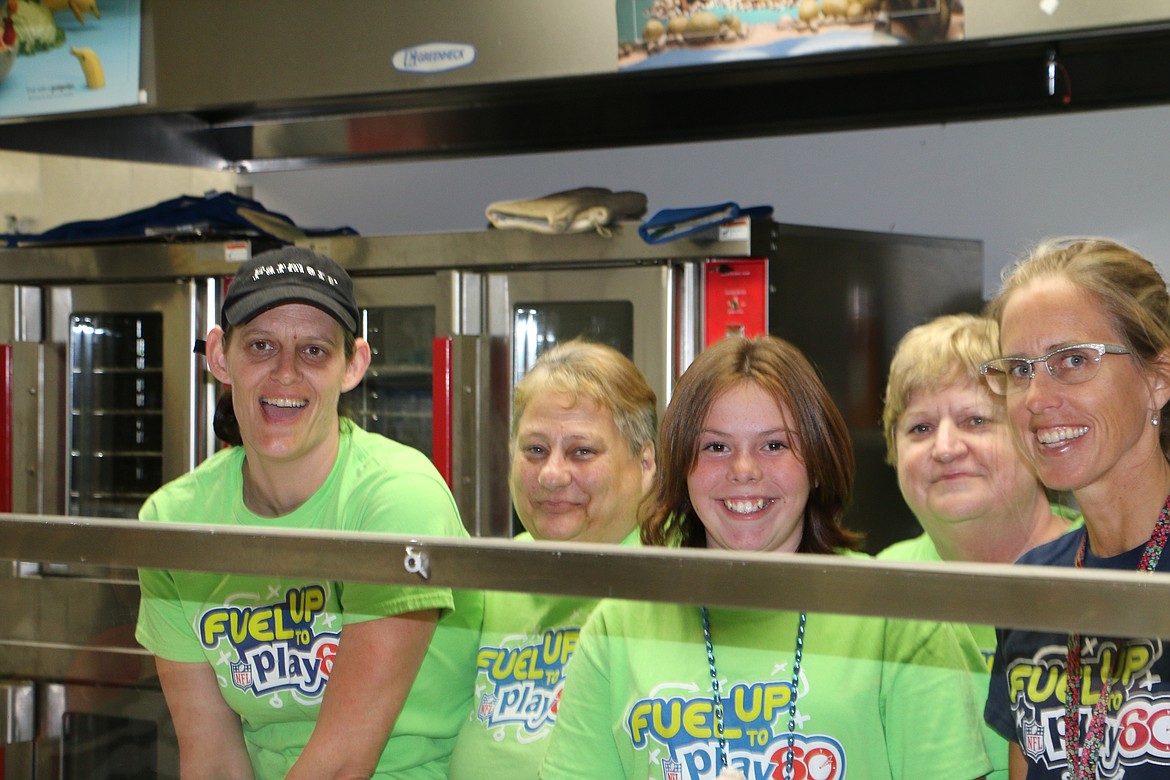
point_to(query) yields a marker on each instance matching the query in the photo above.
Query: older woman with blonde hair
(959, 471)
(582, 460)
(948, 436)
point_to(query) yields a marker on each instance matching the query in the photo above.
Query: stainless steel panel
(479, 250)
(401, 291)
(17, 712)
(208, 388)
(290, 51)
(9, 307)
(687, 306)
(491, 250)
(30, 466)
(128, 262)
(469, 438)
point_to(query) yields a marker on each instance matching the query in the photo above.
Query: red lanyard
(1082, 756)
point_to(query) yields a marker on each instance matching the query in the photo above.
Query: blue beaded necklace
(718, 696)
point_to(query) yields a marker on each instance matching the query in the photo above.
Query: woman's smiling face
(573, 476)
(1076, 435)
(749, 485)
(287, 368)
(956, 460)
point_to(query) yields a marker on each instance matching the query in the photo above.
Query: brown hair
(1127, 286)
(822, 441)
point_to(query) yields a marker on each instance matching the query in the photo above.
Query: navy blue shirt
(1025, 701)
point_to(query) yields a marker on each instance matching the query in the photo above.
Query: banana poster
(64, 56)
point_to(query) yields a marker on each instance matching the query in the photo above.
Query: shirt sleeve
(998, 712)
(927, 672)
(163, 627)
(409, 503)
(583, 743)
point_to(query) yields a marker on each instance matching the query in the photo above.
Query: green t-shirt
(521, 667)
(921, 548)
(881, 699)
(271, 640)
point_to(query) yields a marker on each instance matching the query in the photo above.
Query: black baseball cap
(291, 274)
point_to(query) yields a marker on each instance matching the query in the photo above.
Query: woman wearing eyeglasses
(1085, 339)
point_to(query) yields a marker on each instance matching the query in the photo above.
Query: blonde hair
(940, 353)
(586, 370)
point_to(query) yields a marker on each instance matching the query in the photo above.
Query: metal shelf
(923, 83)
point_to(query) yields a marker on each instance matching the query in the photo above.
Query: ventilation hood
(269, 84)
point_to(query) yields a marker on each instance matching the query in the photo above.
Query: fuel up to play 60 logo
(524, 683)
(756, 744)
(275, 643)
(1137, 727)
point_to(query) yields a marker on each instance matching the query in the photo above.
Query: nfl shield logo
(487, 703)
(242, 674)
(1033, 740)
(671, 769)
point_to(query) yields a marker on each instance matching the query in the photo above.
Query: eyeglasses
(1067, 365)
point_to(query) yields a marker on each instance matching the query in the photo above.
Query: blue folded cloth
(216, 213)
(670, 224)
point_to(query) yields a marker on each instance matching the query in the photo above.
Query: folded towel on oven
(571, 211)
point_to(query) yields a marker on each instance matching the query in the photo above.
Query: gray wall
(1007, 183)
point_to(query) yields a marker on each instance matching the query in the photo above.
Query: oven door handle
(441, 407)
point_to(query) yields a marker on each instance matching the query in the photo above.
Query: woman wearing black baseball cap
(271, 677)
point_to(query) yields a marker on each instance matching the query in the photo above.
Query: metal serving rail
(1105, 603)
(67, 642)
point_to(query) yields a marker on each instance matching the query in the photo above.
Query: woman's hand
(211, 740)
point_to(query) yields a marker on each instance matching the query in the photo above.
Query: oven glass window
(540, 326)
(116, 410)
(395, 398)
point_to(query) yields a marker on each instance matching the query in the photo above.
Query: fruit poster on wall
(675, 33)
(64, 56)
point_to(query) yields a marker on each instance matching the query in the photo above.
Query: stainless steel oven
(501, 297)
(106, 401)
(632, 309)
(131, 390)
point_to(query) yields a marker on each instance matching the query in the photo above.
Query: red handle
(5, 434)
(441, 406)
